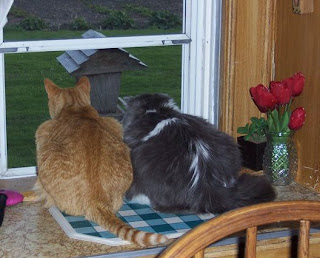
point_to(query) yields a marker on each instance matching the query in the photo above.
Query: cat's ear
(84, 84)
(51, 88)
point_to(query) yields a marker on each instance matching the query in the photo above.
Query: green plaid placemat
(142, 217)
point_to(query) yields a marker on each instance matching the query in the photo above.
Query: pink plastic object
(13, 197)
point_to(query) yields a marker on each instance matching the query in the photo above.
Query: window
(200, 41)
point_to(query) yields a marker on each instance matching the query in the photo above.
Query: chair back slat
(247, 218)
(251, 242)
(303, 248)
(199, 254)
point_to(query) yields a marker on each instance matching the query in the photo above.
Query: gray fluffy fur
(183, 164)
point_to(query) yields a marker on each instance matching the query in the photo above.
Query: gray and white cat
(181, 163)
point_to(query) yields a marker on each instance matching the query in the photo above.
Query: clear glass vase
(280, 161)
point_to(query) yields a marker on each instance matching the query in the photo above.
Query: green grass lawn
(26, 99)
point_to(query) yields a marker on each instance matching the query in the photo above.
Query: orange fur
(84, 167)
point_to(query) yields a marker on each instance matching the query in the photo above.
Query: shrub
(100, 9)
(80, 24)
(97, 8)
(138, 10)
(18, 12)
(117, 20)
(33, 23)
(164, 20)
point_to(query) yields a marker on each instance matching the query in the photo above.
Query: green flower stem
(288, 106)
(284, 121)
(275, 118)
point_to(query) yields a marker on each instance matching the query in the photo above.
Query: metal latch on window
(176, 42)
(8, 50)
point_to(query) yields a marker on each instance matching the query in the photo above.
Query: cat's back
(175, 127)
(83, 135)
(75, 127)
(181, 137)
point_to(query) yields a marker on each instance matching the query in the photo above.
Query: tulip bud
(297, 118)
(263, 99)
(282, 92)
(295, 83)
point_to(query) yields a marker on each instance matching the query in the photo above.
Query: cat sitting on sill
(84, 168)
(182, 164)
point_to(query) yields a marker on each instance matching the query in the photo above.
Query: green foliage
(33, 23)
(117, 20)
(164, 20)
(256, 131)
(18, 12)
(80, 24)
(97, 8)
(30, 22)
(100, 9)
(138, 10)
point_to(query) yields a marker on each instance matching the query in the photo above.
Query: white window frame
(200, 42)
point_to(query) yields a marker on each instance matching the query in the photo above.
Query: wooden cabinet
(262, 41)
(247, 56)
(297, 48)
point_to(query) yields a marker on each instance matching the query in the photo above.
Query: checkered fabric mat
(142, 217)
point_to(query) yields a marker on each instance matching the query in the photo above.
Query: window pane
(55, 19)
(26, 98)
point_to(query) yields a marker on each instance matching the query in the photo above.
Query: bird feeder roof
(95, 61)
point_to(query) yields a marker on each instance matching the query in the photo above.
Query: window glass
(52, 19)
(26, 99)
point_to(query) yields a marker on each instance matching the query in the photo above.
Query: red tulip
(297, 118)
(282, 92)
(262, 97)
(295, 83)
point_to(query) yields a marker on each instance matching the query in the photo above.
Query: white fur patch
(202, 149)
(202, 152)
(151, 111)
(130, 233)
(153, 239)
(159, 127)
(141, 199)
(171, 104)
(140, 237)
(194, 168)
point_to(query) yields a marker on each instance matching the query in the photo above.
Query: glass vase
(280, 158)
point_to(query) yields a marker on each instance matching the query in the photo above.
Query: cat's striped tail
(108, 220)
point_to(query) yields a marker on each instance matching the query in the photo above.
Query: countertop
(29, 230)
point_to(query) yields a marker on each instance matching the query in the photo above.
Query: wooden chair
(194, 242)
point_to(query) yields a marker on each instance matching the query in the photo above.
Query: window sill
(29, 230)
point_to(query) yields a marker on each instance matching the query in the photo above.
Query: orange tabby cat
(84, 167)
